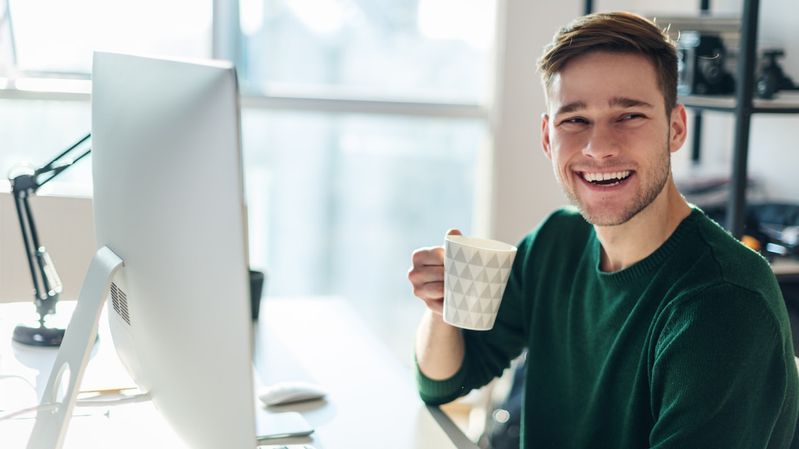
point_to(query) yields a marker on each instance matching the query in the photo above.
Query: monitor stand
(61, 392)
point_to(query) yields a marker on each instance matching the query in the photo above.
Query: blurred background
(369, 127)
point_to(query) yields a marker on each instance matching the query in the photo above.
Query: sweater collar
(650, 263)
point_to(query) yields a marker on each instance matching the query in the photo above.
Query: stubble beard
(643, 198)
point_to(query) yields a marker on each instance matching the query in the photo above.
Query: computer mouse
(289, 392)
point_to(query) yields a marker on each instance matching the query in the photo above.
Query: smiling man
(646, 325)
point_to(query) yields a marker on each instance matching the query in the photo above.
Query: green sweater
(688, 348)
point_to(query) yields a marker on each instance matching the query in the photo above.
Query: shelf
(707, 22)
(786, 269)
(784, 103)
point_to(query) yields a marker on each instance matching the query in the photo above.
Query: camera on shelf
(701, 65)
(771, 78)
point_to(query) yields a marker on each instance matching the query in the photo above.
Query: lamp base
(38, 336)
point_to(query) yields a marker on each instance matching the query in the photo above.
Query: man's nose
(602, 143)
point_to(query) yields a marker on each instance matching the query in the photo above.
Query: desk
(372, 400)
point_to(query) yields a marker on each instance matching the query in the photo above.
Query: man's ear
(545, 144)
(678, 128)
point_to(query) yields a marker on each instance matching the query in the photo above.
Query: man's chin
(605, 216)
(605, 221)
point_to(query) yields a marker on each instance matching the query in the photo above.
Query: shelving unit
(785, 104)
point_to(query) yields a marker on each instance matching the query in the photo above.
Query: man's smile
(605, 179)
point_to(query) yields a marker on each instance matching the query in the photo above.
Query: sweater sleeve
(487, 353)
(721, 376)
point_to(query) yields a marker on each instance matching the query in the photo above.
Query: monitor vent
(120, 302)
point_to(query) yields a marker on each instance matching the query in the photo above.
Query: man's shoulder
(715, 271)
(736, 263)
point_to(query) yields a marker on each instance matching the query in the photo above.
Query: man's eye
(631, 116)
(574, 121)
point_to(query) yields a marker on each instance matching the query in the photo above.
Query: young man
(645, 323)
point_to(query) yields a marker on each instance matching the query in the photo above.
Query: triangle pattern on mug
(449, 267)
(460, 301)
(475, 281)
(475, 307)
(496, 290)
(476, 260)
(457, 288)
(458, 255)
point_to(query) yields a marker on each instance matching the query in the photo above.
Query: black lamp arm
(46, 282)
(57, 165)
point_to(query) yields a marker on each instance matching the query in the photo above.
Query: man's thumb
(454, 232)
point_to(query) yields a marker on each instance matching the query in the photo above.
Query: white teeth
(592, 177)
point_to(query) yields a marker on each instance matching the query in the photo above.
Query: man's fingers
(429, 291)
(419, 275)
(427, 275)
(433, 255)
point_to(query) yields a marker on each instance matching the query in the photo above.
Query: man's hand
(427, 275)
(439, 346)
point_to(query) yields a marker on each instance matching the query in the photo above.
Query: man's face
(608, 136)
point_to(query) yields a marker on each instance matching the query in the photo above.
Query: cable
(141, 397)
(81, 403)
(14, 376)
(11, 415)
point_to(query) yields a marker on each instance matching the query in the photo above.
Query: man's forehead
(604, 80)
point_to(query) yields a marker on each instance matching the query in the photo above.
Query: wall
(65, 228)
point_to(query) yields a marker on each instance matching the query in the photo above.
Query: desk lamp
(46, 283)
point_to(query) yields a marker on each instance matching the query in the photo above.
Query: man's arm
(722, 374)
(439, 347)
(451, 361)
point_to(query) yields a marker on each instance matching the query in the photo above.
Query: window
(341, 200)
(423, 49)
(57, 37)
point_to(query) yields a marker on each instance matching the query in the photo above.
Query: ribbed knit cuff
(435, 392)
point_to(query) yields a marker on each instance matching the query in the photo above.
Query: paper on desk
(105, 372)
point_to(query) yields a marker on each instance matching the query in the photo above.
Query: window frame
(226, 44)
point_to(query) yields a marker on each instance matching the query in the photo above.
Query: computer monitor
(169, 202)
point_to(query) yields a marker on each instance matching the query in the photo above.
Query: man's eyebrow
(570, 107)
(626, 102)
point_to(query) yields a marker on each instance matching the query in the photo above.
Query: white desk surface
(372, 400)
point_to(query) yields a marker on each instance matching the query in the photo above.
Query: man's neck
(628, 243)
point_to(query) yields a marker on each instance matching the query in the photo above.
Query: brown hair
(621, 32)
